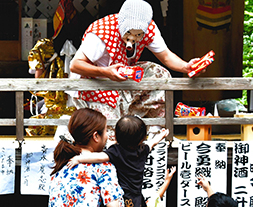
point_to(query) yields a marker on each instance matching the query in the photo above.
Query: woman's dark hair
(82, 125)
(130, 131)
(221, 200)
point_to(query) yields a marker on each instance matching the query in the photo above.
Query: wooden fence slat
(174, 84)
(213, 121)
(148, 121)
(20, 116)
(169, 103)
(110, 122)
(7, 122)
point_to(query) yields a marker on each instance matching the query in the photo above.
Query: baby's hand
(164, 132)
(73, 162)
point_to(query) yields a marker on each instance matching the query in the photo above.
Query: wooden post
(169, 105)
(19, 116)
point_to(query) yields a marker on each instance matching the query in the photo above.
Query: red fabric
(108, 97)
(107, 30)
(214, 10)
(64, 14)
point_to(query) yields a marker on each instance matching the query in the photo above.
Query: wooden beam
(20, 116)
(213, 121)
(148, 121)
(174, 84)
(110, 122)
(169, 121)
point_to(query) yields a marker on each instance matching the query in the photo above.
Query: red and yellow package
(132, 72)
(184, 110)
(201, 64)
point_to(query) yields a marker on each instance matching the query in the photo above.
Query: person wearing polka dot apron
(118, 40)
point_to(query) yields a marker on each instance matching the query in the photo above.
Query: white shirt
(94, 48)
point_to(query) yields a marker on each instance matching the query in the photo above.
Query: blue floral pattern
(85, 185)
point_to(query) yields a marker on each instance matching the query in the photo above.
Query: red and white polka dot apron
(107, 30)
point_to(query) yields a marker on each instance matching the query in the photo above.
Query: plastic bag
(231, 105)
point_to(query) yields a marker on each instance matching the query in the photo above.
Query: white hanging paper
(155, 171)
(36, 163)
(7, 167)
(242, 173)
(194, 158)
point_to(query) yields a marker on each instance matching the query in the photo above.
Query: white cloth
(68, 50)
(134, 14)
(73, 94)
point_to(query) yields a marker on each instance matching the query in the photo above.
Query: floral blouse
(85, 185)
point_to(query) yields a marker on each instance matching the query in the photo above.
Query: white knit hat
(134, 14)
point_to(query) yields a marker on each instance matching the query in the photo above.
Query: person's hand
(168, 176)
(157, 138)
(170, 172)
(112, 73)
(191, 62)
(203, 182)
(164, 132)
(73, 162)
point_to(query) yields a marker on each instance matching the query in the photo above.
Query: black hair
(130, 131)
(221, 200)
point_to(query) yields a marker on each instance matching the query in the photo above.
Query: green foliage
(247, 46)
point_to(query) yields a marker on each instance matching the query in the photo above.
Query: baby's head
(130, 131)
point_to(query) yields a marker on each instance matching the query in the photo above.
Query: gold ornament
(43, 57)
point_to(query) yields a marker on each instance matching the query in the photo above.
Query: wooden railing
(19, 86)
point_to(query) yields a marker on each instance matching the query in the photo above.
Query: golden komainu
(44, 60)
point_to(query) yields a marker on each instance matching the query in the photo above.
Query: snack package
(184, 110)
(132, 72)
(201, 64)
